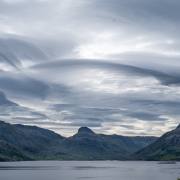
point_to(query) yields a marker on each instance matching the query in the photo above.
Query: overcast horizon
(113, 66)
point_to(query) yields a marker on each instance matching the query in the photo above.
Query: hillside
(166, 147)
(20, 142)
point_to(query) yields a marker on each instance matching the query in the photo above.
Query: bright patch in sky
(110, 65)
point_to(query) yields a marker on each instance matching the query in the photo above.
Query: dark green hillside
(20, 142)
(166, 147)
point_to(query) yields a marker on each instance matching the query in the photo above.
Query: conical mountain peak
(85, 130)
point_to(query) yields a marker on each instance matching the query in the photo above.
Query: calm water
(97, 170)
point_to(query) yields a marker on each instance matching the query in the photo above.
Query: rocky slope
(20, 142)
(166, 147)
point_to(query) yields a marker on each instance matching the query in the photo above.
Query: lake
(95, 170)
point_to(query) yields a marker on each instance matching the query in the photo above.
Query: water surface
(95, 170)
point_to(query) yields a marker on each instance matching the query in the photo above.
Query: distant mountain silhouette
(85, 131)
(166, 147)
(20, 142)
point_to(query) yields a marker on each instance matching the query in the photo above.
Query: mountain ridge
(21, 142)
(167, 147)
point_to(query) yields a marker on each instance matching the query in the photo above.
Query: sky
(112, 66)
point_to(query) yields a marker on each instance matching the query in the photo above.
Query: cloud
(111, 65)
(15, 52)
(21, 86)
(119, 69)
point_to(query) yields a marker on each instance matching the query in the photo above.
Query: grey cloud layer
(111, 65)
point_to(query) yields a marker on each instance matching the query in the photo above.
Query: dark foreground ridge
(167, 147)
(20, 142)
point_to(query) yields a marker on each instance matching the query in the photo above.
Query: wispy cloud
(110, 65)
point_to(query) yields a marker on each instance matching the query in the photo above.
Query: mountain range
(21, 142)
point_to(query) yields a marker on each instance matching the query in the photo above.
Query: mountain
(20, 142)
(90, 146)
(166, 147)
(85, 131)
